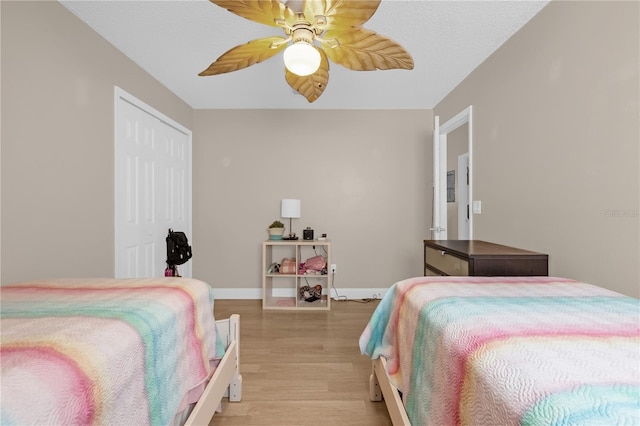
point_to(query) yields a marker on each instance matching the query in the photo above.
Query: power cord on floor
(360, 300)
(333, 284)
(344, 298)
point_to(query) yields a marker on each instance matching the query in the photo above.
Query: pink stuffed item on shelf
(288, 266)
(316, 263)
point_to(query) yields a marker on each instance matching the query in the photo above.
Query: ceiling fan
(318, 30)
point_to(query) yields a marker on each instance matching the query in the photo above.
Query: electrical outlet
(333, 268)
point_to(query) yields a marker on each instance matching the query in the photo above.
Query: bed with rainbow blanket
(114, 352)
(505, 351)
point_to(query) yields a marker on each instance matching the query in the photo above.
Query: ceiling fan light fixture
(301, 58)
(317, 31)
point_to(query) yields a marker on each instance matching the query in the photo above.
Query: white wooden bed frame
(380, 387)
(226, 381)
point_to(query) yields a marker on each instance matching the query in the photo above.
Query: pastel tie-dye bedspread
(509, 351)
(104, 351)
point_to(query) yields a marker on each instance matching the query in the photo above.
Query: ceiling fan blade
(311, 86)
(365, 50)
(245, 55)
(341, 13)
(262, 11)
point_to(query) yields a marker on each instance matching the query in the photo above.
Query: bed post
(375, 394)
(235, 385)
(226, 379)
(389, 392)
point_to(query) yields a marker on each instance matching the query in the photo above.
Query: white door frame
(120, 96)
(440, 132)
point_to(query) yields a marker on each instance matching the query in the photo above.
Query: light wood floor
(301, 368)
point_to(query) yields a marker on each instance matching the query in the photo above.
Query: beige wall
(58, 80)
(556, 136)
(353, 170)
(362, 177)
(556, 157)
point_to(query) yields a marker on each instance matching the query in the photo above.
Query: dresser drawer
(480, 258)
(445, 262)
(429, 273)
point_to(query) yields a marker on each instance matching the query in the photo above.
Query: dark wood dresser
(480, 258)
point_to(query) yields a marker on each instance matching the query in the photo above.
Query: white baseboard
(256, 293)
(237, 293)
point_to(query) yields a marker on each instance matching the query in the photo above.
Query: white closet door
(152, 187)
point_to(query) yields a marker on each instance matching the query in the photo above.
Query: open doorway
(452, 152)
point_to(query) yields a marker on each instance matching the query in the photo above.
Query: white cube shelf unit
(282, 290)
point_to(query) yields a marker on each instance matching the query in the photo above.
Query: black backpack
(178, 248)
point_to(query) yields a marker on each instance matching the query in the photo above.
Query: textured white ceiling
(175, 40)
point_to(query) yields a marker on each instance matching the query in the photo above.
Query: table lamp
(290, 209)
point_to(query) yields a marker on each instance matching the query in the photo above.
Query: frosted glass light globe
(302, 59)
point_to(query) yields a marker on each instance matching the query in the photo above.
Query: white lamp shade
(301, 59)
(290, 208)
